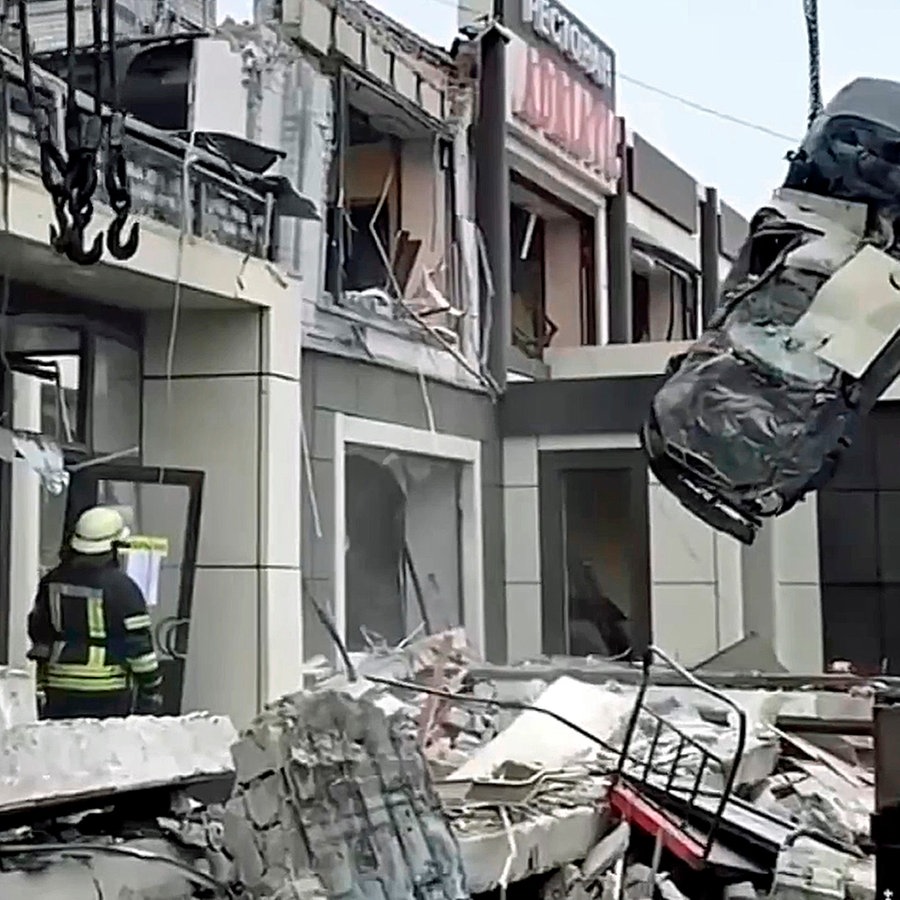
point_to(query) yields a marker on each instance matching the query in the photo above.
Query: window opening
(391, 235)
(403, 563)
(552, 271)
(664, 299)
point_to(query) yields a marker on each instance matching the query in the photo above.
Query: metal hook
(75, 250)
(114, 239)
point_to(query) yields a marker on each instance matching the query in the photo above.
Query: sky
(745, 59)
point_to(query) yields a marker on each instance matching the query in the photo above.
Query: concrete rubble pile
(379, 785)
(333, 799)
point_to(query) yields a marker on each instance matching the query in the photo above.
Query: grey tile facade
(334, 384)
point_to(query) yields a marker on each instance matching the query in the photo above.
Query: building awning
(649, 246)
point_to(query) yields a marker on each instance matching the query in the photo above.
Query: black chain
(52, 162)
(811, 13)
(116, 175)
(71, 178)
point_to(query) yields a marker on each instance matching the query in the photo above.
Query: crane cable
(811, 14)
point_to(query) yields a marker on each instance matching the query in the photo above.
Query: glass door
(155, 503)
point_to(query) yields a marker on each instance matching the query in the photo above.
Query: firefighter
(90, 631)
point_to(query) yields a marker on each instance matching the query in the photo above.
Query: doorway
(155, 503)
(595, 553)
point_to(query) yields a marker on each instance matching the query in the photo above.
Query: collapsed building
(423, 772)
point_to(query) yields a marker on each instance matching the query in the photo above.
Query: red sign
(566, 112)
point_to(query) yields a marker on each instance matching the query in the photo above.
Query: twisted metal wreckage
(806, 335)
(762, 408)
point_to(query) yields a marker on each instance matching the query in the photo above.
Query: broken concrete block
(742, 891)
(352, 806)
(263, 800)
(609, 849)
(808, 870)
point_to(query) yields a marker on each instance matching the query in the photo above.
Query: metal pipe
(492, 196)
(709, 253)
(618, 249)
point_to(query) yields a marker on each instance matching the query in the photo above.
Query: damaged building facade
(400, 478)
(167, 384)
(402, 524)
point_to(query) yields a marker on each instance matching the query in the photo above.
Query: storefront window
(403, 561)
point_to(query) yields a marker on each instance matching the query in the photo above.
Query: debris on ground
(409, 777)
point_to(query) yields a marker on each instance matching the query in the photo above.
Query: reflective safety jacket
(90, 631)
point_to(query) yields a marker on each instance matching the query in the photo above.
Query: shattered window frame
(426, 566)
(681, 295)
(438, 453)
(411, 284)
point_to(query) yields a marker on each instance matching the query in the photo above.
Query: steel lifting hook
(116, 168)
(119, 195)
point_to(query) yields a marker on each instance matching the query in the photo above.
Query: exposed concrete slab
(542, 844)
(46, 760)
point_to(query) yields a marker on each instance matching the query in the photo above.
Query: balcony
(229, 229)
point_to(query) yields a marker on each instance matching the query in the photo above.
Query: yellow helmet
(98, 530)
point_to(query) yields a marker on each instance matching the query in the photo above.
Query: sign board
(548, 25)
(570, 117)
(553, 25)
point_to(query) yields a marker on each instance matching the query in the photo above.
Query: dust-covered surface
(440, 785)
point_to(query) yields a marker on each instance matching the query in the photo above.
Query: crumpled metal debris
(761, 409)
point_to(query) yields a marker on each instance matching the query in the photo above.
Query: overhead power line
(708, 110)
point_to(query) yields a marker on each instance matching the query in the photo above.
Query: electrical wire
(707, 110)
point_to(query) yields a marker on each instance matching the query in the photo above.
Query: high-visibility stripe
(143, 665)
(86, 685)
(96, 622)
(97, 657)
(136, 623)
(80, 670)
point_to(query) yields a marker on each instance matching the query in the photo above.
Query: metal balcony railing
(671, 770)
(223, 208)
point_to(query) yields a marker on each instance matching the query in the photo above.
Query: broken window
(552, 272)
(664, 296)
(403, 537)
(391, 241)
(51, 365)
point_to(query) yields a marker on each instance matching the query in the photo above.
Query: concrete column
(798, 599)
(25, 535)
(760, 584)
(521, 506)
(232, 409)
(492, 194)
(601, 275)
(618, 244)
(709, 253)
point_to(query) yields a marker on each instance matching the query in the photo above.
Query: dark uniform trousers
(91, 638)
